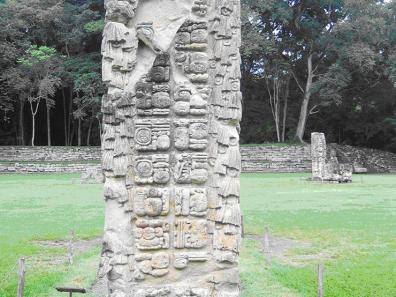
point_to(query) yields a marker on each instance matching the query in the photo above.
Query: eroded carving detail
(191, 168)
(190, 234)
(191, 201)
(152, 234)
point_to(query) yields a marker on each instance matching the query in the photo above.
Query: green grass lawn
(351, 228)
(44, 207)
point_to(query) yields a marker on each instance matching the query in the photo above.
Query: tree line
(50, 72)
(327, 65)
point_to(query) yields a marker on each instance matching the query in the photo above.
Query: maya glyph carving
(170, 148)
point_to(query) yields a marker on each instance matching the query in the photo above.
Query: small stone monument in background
(325, 165)
(92, 175)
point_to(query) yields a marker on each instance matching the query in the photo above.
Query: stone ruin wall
(49, 153)
(282, 159)
(170, 148)
(257, 158)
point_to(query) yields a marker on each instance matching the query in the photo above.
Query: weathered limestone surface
(170, 148)
(325, 167)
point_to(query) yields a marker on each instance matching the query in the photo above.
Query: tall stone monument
(325, 165)
(318, 155)
(170, 148)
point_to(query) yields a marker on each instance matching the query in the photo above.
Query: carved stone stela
(170, 148)
(325, 167)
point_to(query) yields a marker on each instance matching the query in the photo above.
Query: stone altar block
(170, 148)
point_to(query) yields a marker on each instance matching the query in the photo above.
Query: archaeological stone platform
(255, 158)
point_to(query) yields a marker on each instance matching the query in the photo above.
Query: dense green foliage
(50, 53)
(326, 65)
(351, 228)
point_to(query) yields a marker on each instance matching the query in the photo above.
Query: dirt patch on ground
(99, 288)
(79, 246)
(289, 251)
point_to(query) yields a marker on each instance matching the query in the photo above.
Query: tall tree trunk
(48, 125)
(274, 103)
(79, 132)
(285, 103)
(69, 122)
(72, 134)
(65, 124)
(100, 130)
(89, 132)
(21, 123)
(33, 128)
(305, 103)
(34, 112)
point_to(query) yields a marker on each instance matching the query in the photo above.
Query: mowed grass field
(351, 228)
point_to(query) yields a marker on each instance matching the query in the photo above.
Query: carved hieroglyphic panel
(318, 155)
(326, 167)
(170, 148)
